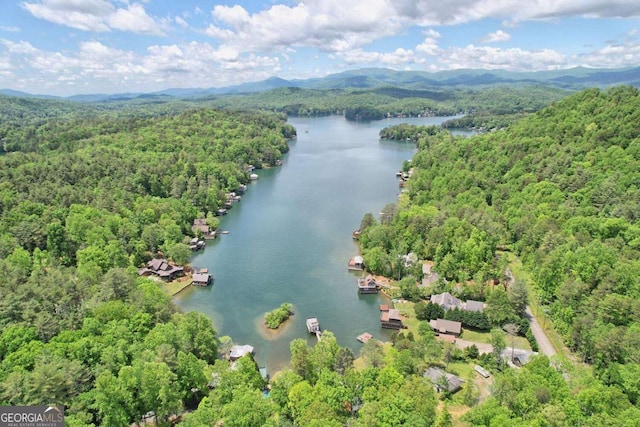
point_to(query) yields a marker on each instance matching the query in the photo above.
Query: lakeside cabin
(161, 268)
(203, 278)
(200, 225)
(356, 263)
(367, 285)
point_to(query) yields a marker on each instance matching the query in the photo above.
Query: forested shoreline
(558, 189)
(89, 195)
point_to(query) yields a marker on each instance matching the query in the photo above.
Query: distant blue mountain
(376, 78)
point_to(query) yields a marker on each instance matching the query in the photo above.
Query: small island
(275, 318)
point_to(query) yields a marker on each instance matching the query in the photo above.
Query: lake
(290, 239)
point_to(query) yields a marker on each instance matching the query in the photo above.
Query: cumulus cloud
(96, 16)
(96, 65)
(397, 57)
(337, 26)
(430, 44)
(514, 59)
(496, 37)
(329, 25)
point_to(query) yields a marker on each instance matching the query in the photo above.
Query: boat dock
(367, 285)
(313, 326)
(363, 338)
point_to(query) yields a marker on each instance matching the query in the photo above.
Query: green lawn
(485, 337)
(176, 286)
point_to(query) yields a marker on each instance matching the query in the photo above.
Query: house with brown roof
(443, 326)
(391, 319)
(161, 268)
(200, 225)
(203, 278)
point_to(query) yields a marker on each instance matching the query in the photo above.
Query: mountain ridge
(371, 78)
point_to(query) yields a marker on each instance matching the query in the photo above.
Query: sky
(67, 47)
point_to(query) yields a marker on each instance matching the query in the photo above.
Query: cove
(290, 239)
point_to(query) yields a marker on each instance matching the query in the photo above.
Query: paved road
(543, 342)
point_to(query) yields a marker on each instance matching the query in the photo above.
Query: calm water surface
(290, 239)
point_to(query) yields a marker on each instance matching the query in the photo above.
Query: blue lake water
(290, 238)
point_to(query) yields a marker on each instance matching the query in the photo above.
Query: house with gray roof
(472, 305)
(438, 378)
(446, 301)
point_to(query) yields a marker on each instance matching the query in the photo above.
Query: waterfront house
(200, 226)
(391, 319)
(443, 381)
(367, 285)
(446, 301)
(448, 327)
(161, 268)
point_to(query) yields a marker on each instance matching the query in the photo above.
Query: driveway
(543, 342)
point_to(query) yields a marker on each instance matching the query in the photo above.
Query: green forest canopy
(560, 189)
(84, 198)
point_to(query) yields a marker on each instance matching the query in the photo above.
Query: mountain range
(370, 78)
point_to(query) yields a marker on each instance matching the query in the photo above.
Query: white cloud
(614, 55)
(101, 68)
(329, 25)
(430, 44)
(9, 29)
(180, 21)
(397, 57)
(514, 59)
(134, 19)
(338, 26)
(496, 37)
(95, 16)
